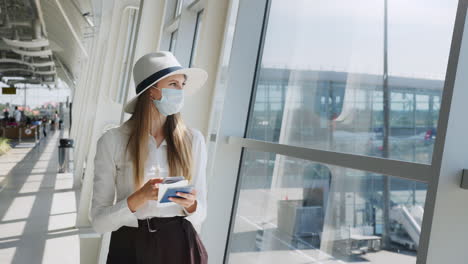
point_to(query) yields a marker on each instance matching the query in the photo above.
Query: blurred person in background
(17, 115)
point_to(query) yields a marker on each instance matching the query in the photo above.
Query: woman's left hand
(188, 200)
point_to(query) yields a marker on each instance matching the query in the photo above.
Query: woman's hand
(188, 200)
(149, 191)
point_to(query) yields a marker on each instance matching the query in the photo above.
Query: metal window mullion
(197, 6)
(126, 65)
(402, 169)
(172, 26)
(196, 33)
(258, 59)
(261, 45)
(224, 174)
(443, 198)
(133, 46)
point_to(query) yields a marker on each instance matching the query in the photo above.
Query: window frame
(129, 51)
(196, 36)
(173, 41)
(178, 8)
(230, 139)
(183, 28)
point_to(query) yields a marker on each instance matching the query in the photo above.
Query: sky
(344, 35)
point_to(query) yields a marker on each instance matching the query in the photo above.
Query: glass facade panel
(295, 211)
(128, 53)
(173, 41)
(336, 75)
(178, 8)
(196, 36)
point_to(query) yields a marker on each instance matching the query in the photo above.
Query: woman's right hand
(149, 191)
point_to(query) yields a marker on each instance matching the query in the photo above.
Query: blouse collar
(125, 128)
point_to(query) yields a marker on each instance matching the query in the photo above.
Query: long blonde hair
(178, 139)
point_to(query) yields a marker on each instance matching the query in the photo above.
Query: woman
(131, 160)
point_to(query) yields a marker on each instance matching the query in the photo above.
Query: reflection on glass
(294, 211)
(321, 78)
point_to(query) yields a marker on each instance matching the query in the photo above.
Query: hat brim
(196, 78)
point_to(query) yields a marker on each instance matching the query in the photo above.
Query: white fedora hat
(155, 66)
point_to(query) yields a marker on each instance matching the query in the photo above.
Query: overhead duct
(38, 43)
(37, 29)
(27, 53)
(33, 53)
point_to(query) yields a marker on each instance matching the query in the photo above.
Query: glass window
(178, 9)
(295, 211)
(196, 36)
(128, 53)
(321, 80)
(173, 41)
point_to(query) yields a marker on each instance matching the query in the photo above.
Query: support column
(444, 231)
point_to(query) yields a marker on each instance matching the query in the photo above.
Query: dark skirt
(173, 240)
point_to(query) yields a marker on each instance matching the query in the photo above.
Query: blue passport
(171, 192)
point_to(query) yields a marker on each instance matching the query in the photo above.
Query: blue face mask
(172, 101)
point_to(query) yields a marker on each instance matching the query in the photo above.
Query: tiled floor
(37, 206)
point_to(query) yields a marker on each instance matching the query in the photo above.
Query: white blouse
(113, 181)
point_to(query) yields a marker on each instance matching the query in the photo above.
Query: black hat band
(154, 77)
